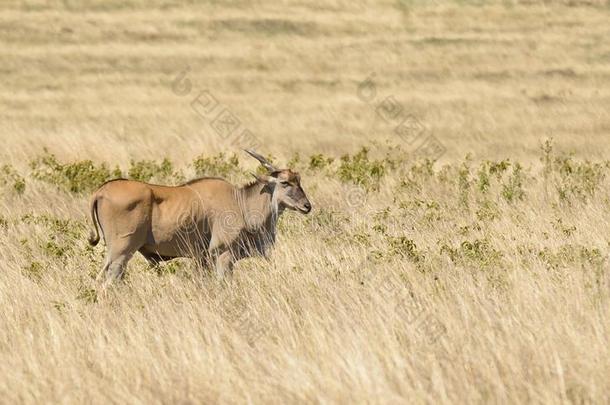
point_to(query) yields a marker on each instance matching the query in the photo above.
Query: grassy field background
(480, 277)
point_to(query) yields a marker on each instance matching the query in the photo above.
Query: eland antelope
(207, 219)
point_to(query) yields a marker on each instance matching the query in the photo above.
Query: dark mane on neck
(250, 188)
(250, 185)
(246, 187)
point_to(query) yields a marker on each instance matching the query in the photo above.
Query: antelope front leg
(224, 264)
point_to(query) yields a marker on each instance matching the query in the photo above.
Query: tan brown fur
(208, 219)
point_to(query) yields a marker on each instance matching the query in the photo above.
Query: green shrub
(33, 271)
(219, 165)
(547, 157)
(147, 170)
(61, 235)
(423, 170)
(164, 269)
(319, 161)
(564, 229)
(404, 247)
(77, 177)
(572, 178)
(513, 190)
(478, 252)
(489, 169)
(578, 179)
(570, 255)
(415, 176)
(67, 228)
(429, 210)
(488, 211)
(361, 170)
(10, 178)
(295, 161)
(464, 182)
(89, 295)
(60, 306)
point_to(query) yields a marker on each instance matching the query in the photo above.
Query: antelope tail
(94, 234)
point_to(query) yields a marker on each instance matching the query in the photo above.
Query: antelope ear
(264, 179)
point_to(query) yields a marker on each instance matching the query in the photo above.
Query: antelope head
(286, 185)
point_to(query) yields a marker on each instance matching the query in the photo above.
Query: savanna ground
(473, 270)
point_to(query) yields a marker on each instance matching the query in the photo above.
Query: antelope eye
(285, 183)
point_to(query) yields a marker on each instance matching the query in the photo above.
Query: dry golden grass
(433, 287)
